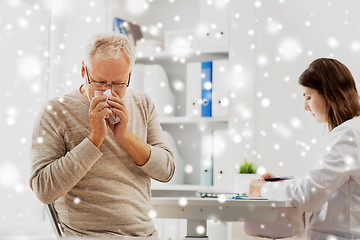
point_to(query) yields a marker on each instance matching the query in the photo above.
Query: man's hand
(117, 106)
(99, 109)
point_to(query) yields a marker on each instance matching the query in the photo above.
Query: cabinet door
(214, 25)
(220, 88)
(221, 158)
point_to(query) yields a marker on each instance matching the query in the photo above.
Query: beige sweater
(98, 192)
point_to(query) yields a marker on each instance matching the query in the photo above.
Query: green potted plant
(247, 167)
(245, 174)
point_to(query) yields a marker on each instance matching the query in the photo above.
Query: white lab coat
(332, 189)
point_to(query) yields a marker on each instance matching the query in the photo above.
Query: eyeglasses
(104, 85)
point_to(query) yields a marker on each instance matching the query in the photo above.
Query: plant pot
(242, 181)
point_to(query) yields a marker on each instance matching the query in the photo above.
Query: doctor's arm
(309, 193)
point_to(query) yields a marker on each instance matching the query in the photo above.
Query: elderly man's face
(107, 73)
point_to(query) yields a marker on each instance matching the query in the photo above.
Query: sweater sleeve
(54, 170)
(338, 162)
(161, 164)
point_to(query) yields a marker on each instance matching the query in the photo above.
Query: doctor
(331, 190)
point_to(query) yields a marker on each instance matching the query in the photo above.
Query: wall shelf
(153, 57)
(192, 120)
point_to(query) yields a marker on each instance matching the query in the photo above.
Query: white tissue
(112, 119)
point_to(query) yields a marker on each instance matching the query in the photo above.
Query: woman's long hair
(334, 81)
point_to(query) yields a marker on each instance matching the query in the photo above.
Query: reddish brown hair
(334, 81)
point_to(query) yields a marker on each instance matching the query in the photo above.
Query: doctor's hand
(255, 188)
(267, 175)
(117, 106)
(99, 109)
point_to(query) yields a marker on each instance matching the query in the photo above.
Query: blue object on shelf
(206, 89)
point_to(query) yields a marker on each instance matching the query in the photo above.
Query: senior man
(95, 170)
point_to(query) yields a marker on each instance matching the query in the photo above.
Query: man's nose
(108, 86)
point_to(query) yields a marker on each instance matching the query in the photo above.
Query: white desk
(198, 210)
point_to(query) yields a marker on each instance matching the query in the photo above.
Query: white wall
(24, 48)
(309, 30)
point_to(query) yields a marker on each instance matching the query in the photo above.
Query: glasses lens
(99, 86)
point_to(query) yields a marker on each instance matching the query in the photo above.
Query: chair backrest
(54, 219)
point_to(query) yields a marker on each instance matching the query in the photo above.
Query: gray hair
(110, 46)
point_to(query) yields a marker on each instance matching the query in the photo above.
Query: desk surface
(218, 209)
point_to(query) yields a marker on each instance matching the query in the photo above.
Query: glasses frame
(104, 83)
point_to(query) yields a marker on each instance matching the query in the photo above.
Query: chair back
(54, 219)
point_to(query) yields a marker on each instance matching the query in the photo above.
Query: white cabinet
(196, 138)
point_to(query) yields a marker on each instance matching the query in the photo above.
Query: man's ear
(82, 69)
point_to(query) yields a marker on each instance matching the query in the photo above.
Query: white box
(220, 88)
(193, 89)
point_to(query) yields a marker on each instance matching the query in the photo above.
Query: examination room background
(271, 43)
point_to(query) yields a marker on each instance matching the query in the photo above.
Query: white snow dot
(238, 68)
(29, 67)
(152, 214)
(332, 42)
(262, 60)
(10, 121)
(265, 102)
(200, 229)
(261, 170)
(76, 200)
(257, 4)
(225, 102)
(296, 123)
(222, 198)
(35, 87)
(188, 169)
(237, 138)
(183, 201)
(207, 85)
(40, 140)
(176, 18)
(289, 49)
(178, 85)
(355, 46)
(9, 175)
(23, 22)
(168, 109)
